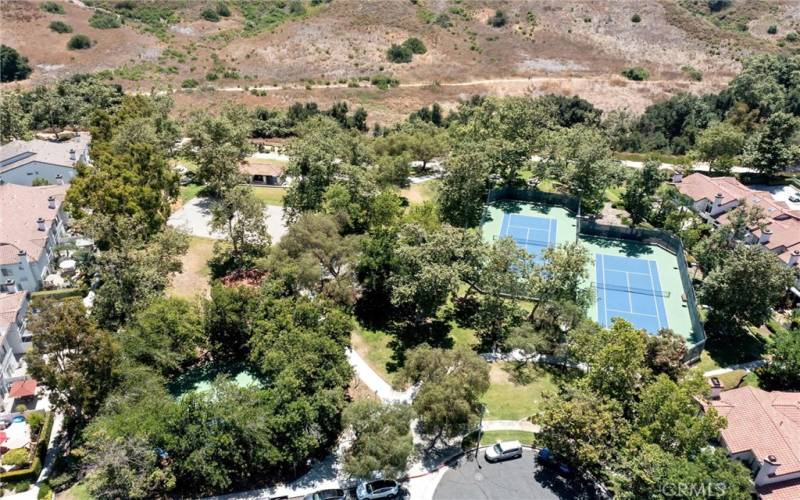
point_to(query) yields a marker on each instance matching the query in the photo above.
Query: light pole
(478, 441)
(578, 218)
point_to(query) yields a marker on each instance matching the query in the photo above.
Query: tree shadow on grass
(738, 347)
(406, 336)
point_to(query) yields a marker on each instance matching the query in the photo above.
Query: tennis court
(533, 234)
(629, 288)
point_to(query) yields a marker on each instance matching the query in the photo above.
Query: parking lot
(518, 479)
(780, 193)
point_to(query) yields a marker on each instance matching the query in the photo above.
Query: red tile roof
(22, 388)
(10, 304)
(783, 222)
(787, 490)
(764, 423)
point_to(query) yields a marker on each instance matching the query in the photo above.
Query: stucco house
(263, 172)
(715, 197)
(15, 339)
(763, 431)
(32, 223)
(52, 161)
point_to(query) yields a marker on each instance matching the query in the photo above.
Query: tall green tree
(165, 335)
(218, 144)
(771, 149)
(72, 357)
(640, 189)
(382, 439)
(240, 215)
(14, 122)
(132, 272)
(318, 156)
(760, 273)
(452, 383)
(782, 370)
(580, 158)
(718, 145)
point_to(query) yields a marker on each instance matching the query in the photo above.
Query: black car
(326, 495)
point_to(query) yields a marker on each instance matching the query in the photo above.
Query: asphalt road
(518, 479)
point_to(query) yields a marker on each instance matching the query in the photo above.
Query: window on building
(6, 272)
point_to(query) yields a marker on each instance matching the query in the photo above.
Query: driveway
(780, 193)
(517, 479)
(195, 218)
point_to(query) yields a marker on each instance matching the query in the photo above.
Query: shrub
(693, 73)
(498, 20)
(296, 8)
(211, 76)
(189, 83)
(16, 457)
(772, 30)
(22, 486)
(35, 421)
(383, 82)
(104, 21)
(79, 42)
(13, 66)
(636, 18)
(20, 408)
(210, 15)
(791, 36)
(415, 45)
(52, 7)
(718, 5)
(45, 492)
(60, 27)
(223, 10)
(399, 54)
(443, 20)
(636, 73)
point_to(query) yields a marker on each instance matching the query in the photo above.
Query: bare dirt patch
(193, 279)
(26, 28)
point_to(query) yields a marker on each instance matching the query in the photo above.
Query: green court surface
(639, 282)
(201, 378)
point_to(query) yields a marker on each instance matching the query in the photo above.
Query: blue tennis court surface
(629, 288)
(533, 234)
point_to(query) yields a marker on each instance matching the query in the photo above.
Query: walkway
(374, 381)
(749, 366)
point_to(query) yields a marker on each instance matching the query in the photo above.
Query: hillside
(316, 50)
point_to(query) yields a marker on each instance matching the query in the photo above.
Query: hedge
(32, 473)
(58, 294)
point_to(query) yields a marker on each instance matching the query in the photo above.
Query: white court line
(634, 313)
(605, 295)
(630, 301)
(666, 319)
(653, 287)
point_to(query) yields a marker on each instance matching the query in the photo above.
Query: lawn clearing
(507, 400)
(418, 194)
(490, 437)
(373, 346)
(193, 279)
(188, 192)
(726, 351)
(270, 195)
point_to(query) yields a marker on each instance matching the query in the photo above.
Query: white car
(795, 198)
(373, 490)
(503, 451)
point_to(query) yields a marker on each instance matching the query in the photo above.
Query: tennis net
(633, 289)
(522, 241)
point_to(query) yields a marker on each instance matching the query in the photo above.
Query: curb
(448, 460)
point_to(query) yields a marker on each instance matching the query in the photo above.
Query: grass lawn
(420, 193)
(79, 491)
(738, 378)
(193, 279)
(270, 195)
(614, 194)
(722, 352)
(188, 192)
(507, 400)
(373, 346)
(491, 437)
